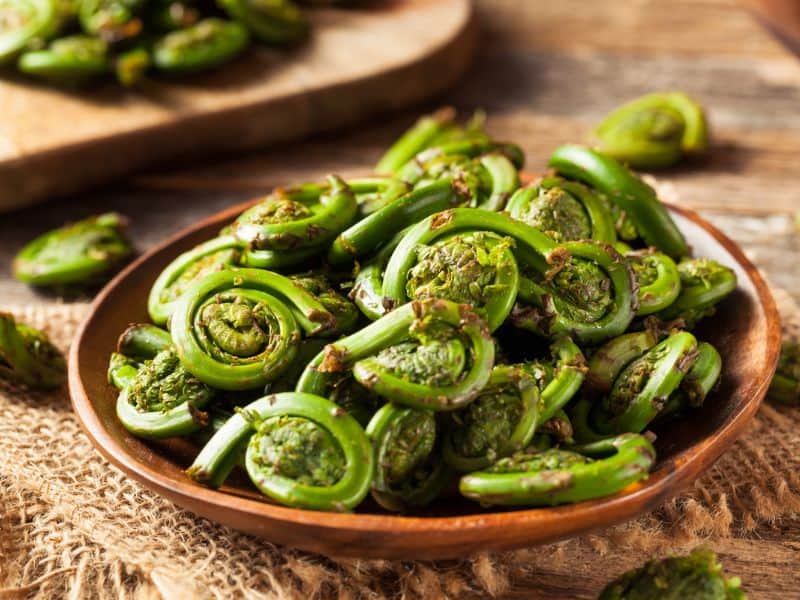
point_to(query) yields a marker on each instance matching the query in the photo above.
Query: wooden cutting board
(357, 64)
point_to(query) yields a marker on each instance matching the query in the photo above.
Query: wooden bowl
(746, 331)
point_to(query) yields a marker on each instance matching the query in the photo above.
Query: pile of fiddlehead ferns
(75, 41)
(435, 327)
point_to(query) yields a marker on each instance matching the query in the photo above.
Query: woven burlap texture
(73, 526)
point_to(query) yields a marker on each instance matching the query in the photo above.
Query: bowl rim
(670, 476)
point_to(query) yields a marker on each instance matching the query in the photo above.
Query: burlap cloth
(73, 526)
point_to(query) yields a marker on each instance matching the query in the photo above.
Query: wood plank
(358, 63)
(640, 27)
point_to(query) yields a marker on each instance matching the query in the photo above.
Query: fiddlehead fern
(69, 60)
(170, 15)
(211, 256)
(609, 359)
(240, 329)
(163, 399)
(274, 22)
(302, 451)
(653, 131)
(299, 221)
(555, 476)
(111, 20)
(204, 45)
(704, 283)
(627, 191)
(158, 397)
(500, 421)
(578, 288)
(432, 354)
(367, 290)
(409, 468)
(429, 131)
(373, 193)
(82, 253)
(475, 268)
(559, 378)
(489, 179)
(344, 312)
(698, 576)
(27, 355)
(657, 276)
(142, 340)
(371, 233)
(563, 210)
(642, 379)
(785, 386)
(21, 22)
(554, 432)
(697, 384)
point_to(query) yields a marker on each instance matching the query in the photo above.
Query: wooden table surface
(546, 72)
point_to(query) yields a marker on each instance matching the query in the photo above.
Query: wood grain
(358, 63)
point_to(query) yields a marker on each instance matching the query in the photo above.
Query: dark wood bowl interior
(745, 329)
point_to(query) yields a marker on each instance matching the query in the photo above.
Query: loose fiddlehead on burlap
(785, 386)
(27, 355)
(698, 575)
